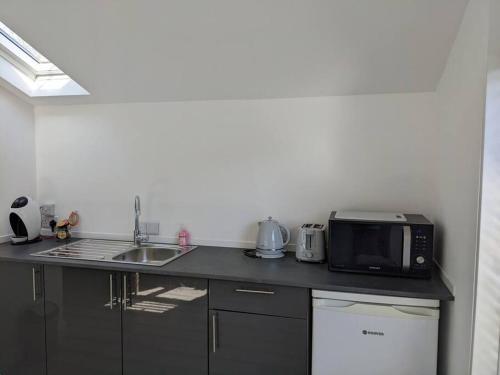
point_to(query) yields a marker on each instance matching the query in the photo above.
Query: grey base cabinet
(249, 344)
(258, 329)
(165, 325)
(116, 323)
(22, 322)
(83, 321)
(58, 320)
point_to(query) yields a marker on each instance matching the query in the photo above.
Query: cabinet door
(249, 344)
(165, 325)
(83, 322)
(22, 322)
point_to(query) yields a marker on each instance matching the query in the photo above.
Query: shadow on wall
(438, 241)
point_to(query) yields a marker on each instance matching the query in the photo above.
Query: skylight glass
(34, 67)
(33, 53)
(34, 60)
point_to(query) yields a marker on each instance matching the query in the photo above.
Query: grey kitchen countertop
(224, 263)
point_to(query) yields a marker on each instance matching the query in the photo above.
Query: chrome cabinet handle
(269, 292)
(406, 248)
(111, 291)
(214, 332)
(124, 292)
(34, 284)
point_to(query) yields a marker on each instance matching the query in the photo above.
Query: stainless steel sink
(149, 254)
(118, 252)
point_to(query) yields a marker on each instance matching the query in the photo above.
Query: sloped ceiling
(165, 50)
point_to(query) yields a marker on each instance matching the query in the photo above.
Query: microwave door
(395, 246)
(369, 246)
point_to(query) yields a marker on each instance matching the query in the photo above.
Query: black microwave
(380, 243)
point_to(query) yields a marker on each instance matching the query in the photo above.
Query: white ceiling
(163, 50)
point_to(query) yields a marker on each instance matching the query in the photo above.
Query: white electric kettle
(271, 239)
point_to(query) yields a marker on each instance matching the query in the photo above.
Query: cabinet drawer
(259, 298)
(249, 344)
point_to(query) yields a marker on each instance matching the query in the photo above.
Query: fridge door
(352, 338)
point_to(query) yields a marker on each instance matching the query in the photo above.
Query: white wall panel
(218, 167)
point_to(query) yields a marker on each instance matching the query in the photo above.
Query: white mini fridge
(358, 334)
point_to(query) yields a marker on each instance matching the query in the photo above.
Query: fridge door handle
(389, 311)
(418, 311)
(331, 303)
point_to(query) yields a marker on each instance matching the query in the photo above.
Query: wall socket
(48, 212)
(150, 228)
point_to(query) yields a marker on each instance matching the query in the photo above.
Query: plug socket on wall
(150, 228)
(153, 228)
(47, 212)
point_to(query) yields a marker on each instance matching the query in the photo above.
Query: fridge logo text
(372, 333)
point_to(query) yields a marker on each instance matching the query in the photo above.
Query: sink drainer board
(116, 252)
(88, 250)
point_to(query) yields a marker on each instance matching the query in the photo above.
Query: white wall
(220, 166)
(17, 155)
(461, 98)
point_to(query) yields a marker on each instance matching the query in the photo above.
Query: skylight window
(31, 72)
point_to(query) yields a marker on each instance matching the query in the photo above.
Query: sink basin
(151, 254)
(148, 255)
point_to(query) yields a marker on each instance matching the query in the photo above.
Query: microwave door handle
(406, 248)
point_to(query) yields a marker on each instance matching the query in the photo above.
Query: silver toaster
(311, 243)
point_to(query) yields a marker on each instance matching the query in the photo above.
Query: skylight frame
(21, 54)
(4, 30)
(28, 70)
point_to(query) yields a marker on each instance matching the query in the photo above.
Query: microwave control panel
(422, 247)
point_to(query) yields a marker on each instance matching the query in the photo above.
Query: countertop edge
(160, 271)
(198, 264)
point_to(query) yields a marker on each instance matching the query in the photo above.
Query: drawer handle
(34, 283)
(269, 292)
(125, 295)
(214, 332)
(111, 291)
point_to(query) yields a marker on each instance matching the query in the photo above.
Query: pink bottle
(183, 237)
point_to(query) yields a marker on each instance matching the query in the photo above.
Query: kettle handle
(287, 232)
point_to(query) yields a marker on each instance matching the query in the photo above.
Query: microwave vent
(371, 216)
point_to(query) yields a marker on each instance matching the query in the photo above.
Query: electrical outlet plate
(48, 209)
(150, 228)
(47, 212)
(153, 229)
